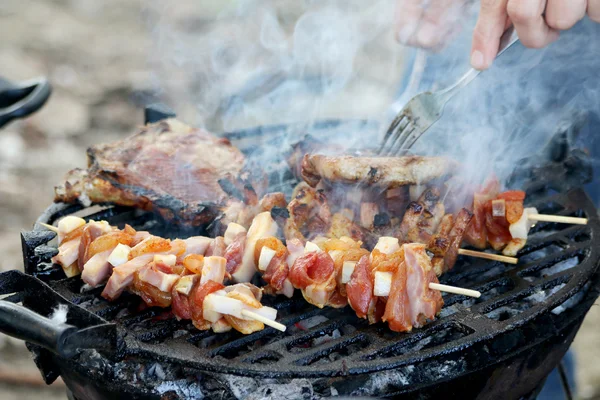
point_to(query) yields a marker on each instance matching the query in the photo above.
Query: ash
(542, 295)
(59, 316)
(561, 266)
(572, 301)
(182, 388)
(540, 253)
(384, 381)
(554, 269)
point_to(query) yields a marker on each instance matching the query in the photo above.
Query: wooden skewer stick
(50, 227)
(488, 256)
(454, 289)
(558, 218)
(266, 321)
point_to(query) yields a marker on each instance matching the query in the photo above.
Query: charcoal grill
(502, 345)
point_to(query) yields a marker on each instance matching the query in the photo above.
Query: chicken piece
(309, 215)
(341, 226)
(438, 244)
(422, 218)
(425, 303)
(167, 167)
(456, 237)
(409, 225)
(386, 172)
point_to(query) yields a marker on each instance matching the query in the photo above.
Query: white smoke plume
(267, 62)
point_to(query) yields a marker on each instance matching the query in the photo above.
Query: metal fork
(426, 108)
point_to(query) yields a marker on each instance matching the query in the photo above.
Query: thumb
(486, 37)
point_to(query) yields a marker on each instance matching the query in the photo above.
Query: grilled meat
(385, 172)
(168, 167)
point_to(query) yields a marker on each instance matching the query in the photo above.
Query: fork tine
(406, 134)
(414, 137)
(388, 151)
(395, 123)
(401, 138)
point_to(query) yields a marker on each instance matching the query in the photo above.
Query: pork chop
(385, 172)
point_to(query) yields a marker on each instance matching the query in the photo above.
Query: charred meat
(167, 167)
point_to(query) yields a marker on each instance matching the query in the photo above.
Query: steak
(167, 167)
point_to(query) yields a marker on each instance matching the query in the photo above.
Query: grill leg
(564, 381)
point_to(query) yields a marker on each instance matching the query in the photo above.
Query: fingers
(407, 17)
(527, 17)
(563, 14)
(489, 29)
(593, 10)
(425, 23)
(439, 19)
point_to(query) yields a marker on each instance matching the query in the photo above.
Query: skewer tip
(49, 227)
(558, 219)
(266, 321)
(488, 256)
(456, 290)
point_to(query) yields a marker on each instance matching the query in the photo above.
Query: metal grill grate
(555, 267)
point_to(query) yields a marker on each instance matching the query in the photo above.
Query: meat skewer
(164, 273)
(501, 220)
(425, 222)
(167, 274)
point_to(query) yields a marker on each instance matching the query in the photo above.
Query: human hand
(427, 23)
(537, 22)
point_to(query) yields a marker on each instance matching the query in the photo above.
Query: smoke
(264, 62)
(511, 111)
(253, 63)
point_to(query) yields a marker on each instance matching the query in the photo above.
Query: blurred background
(220, 64)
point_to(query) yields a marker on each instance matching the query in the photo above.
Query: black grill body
(502, 345)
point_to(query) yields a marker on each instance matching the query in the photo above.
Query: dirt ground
(105, 59)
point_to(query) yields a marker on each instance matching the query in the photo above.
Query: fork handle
(508, 38)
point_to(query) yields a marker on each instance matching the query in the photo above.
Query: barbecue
(523, 321)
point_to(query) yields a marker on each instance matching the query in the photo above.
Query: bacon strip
(397, 309)
(360, 288)
(424, 302)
